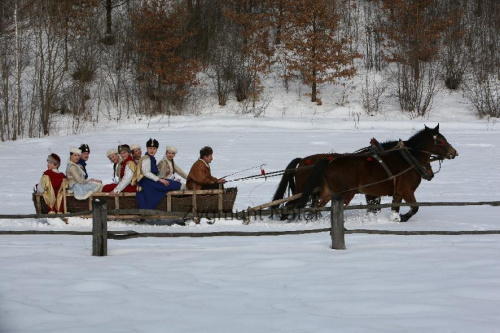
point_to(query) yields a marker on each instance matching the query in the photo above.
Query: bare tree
(372, 17)
(413, 31)
(13, 59)
(453, 53)
(372, 90)
(109, 6)
(482, 43)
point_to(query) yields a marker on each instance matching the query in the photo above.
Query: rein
(440, 163)
(237, 172)
(266, 175)
(377, 182)
(380, 181)
(363, 152)
(414, 163)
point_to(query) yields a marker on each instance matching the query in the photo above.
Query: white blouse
(125, 181)
(146, 170)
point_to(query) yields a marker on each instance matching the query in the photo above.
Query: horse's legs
(396, 199)
(372, 200)
(409, 198)
(348, 197)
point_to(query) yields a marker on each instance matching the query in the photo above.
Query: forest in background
(95, 59)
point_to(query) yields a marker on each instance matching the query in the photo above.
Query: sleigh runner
(187, 201)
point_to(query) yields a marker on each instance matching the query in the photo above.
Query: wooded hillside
(90, 58)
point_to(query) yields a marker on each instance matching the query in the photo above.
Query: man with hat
(124, 170)
(200, 177)
(52, 184)
(151, 188)
(84, 157)
(136, 153)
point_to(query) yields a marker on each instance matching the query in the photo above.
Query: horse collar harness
(414, 162)
(375, 147)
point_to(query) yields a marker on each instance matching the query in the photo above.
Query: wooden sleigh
(186, 202)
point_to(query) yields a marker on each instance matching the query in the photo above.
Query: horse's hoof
(395, 217)
(404, 218)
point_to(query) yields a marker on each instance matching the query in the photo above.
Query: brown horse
(349, 174)
(299, 169)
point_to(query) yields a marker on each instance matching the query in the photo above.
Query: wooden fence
(100, 234)
(337, 230)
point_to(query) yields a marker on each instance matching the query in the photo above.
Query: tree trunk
(17, 112)
(109, 8)
(313, 90)
(4, 121)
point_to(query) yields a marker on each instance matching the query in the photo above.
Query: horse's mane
(389, 144)
(416, 141)
(385, 146)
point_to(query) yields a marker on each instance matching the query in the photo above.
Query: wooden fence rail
(100, 216)
(127, 234)
(149, 213)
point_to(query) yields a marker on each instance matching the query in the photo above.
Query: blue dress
(152, 191)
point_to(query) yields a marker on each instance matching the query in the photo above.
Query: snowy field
(293, 283)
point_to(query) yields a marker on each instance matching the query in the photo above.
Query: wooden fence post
(337, 220)
(99, 228)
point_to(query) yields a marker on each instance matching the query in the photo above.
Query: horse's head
(441, 148)
(430, 172)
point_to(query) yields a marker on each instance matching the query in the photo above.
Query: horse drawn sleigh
(175, 202)
(395, 169)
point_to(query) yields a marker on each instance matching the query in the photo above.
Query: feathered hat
(152, 143)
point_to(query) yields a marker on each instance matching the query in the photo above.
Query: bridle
(442, 143)
(438, 143)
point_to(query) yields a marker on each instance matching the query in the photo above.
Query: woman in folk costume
(151, 188)
(81, 187)
(136, 152)
(52, 184)
(124, 171)
(114, 158)
(168, 169)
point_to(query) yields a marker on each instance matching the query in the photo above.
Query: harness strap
(413, 162)
(382, 163)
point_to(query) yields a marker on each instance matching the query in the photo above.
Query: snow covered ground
(293, 283)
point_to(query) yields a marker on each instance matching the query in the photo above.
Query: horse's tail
(314, 180)
(288, 180)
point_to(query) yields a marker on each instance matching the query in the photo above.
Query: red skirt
(111, 187)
